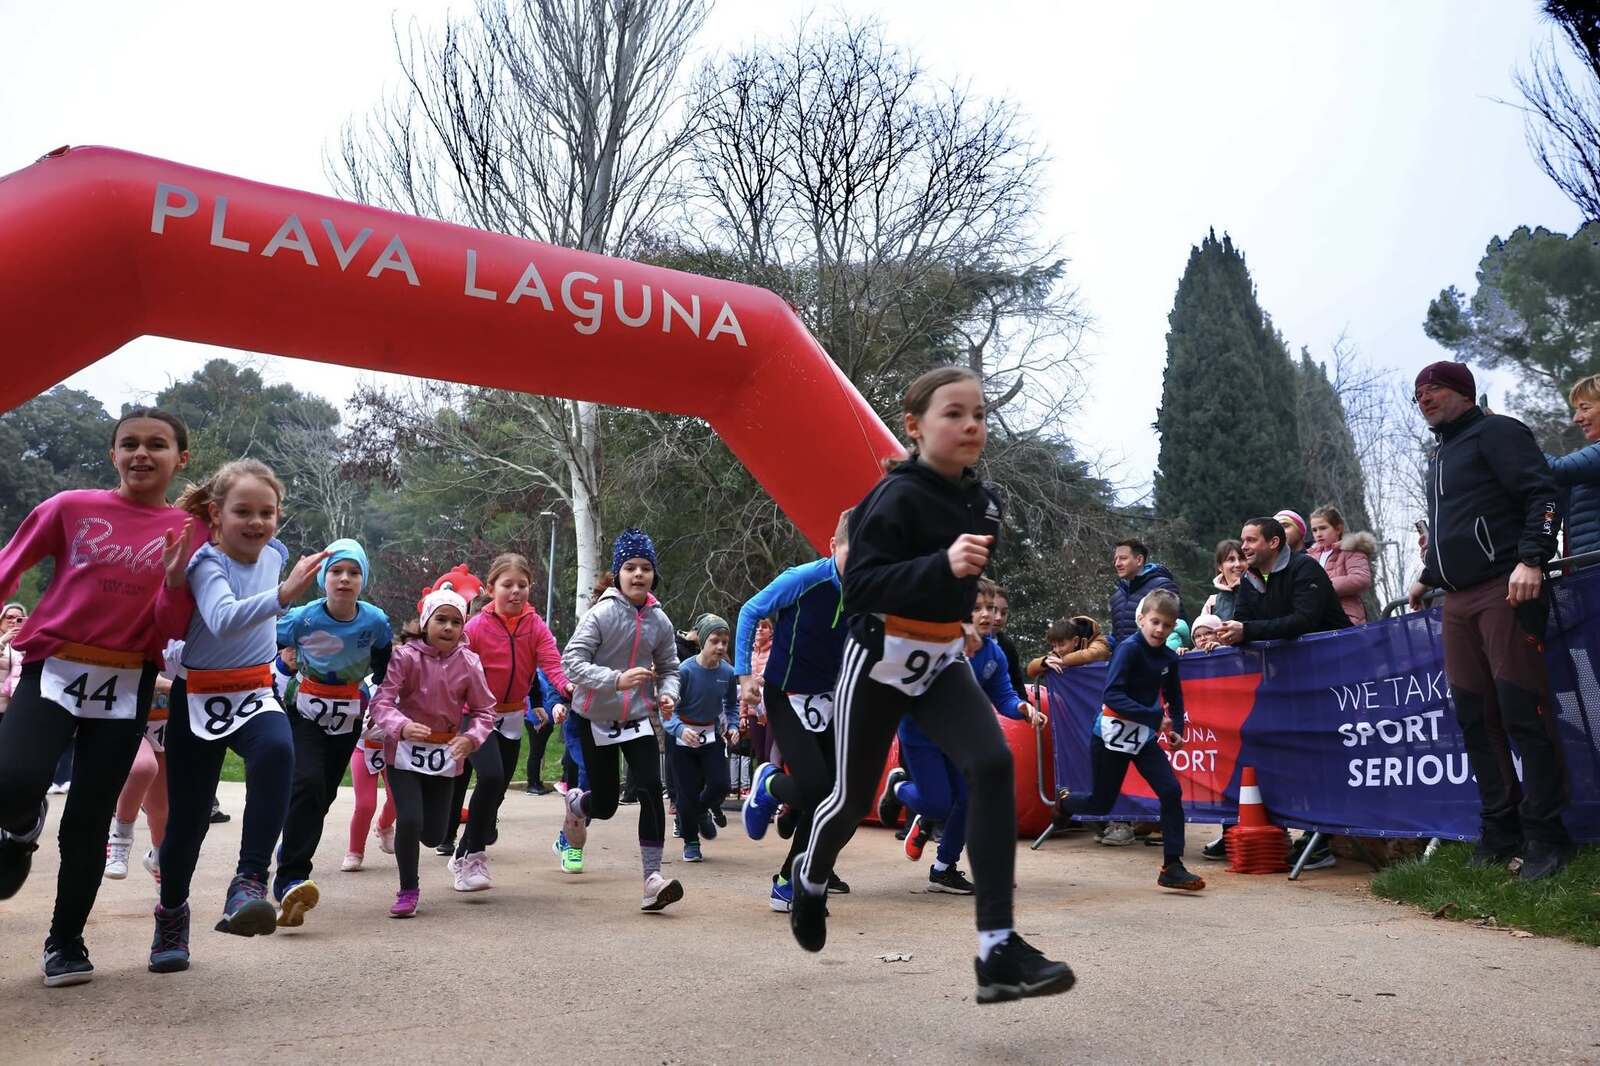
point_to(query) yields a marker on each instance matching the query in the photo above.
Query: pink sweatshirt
(109, 589)
(511, 649)
(433, 690)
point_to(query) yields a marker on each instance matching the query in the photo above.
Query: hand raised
(175, 552)
(300, 578)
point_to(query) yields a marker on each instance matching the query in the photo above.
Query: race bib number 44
(814, 712)
(220, 701)
(335, 709)
(1121, 735)
(93, 682)
(431, 757)
(609, 733)
(915, 653)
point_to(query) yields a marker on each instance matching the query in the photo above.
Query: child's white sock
(989, 939)
(940, 867)
(122, 830)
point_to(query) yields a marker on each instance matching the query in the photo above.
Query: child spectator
(1347, 559)
(1294, 529)
(1075, 641)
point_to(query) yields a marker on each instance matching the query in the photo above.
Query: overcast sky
(1355, 151)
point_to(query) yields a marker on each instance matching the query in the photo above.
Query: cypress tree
(1230, 441)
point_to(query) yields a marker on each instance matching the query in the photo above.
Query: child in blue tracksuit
(708, 708)
(1143, 670)
(542, 703)
(930, 786)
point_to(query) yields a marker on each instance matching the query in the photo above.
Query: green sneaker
(572, 861)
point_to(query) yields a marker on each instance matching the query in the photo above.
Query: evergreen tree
(1333, 469)
(1230, 440)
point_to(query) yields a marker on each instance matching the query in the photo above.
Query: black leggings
(957, 716)
(1110, 767)
(604, 770)
(33, 733)
(493, 762)
(194, 766)
(421, 808)
(320, 762)
(809, 770)
(538, 739)
(701, 776)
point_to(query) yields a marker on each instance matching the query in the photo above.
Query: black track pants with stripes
(957, 716)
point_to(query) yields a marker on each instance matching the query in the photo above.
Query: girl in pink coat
(1347, 559)
(419, 708)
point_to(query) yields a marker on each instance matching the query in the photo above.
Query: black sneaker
(218, 815)
(1217, 850)
(538, 788)
(66, 962)
(708, 826)
(837, 887)
(950, 880)
(1175, 875)
(446, 848)
(786, 822)
(16, 854)
(1017, 970)
(628, 799)
(1540, 860)
(1486, 855)
(889, 807)
(719, 816)
(808, 918)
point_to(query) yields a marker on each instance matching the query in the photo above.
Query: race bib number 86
(220, 701)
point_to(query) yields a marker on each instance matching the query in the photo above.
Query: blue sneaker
(247, 912)
(691, 852)
(760, 804)
(782, 898)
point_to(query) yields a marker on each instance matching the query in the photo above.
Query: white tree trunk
(583, 468)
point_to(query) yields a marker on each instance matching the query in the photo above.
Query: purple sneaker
(405, 903)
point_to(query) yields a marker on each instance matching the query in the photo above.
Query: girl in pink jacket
(1347, 559)
(419, 708)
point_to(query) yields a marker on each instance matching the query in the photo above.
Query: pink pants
(367, 802)
(146, 787)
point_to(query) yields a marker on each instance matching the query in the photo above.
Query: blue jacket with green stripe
(807, 605)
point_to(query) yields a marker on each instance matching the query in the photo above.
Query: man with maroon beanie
(1492, 522)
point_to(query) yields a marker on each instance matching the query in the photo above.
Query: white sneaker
(117, 849)
(475, 871)
(659, 892)
(1118, 835)
(385, 839)
(352, 861)
(152, 863)
(458, 874)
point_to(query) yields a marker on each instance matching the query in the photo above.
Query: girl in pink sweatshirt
(419, 708)
(90, 653)
(512, 642)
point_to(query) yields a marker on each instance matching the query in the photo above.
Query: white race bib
(220, 701)
(372, 755)
(815, 712)
(334, 712)
(1121, 735)
(430, 757)
(93, 682)
(915, 653)
(511, 724)
(609, 733)
(155, 730)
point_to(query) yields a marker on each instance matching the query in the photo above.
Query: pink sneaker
(385, 839)
(561, 787)
(405, 903)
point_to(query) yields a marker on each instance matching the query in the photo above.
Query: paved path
(551, 968)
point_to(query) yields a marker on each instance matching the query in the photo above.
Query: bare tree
(1563, 111)
(554, 120)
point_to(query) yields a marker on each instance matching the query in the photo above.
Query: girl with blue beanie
(337, 640)
(623, 663)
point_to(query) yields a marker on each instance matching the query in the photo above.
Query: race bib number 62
(814, 712)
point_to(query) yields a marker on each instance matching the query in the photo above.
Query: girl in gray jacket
(623, 663)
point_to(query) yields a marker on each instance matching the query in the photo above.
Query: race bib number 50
(220, 701)
(431, 757)
(915, 653)
(93, 682)
(609, 733)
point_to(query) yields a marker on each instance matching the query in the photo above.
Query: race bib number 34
(814, 712)
(609, 733)
(93, 682)
(220, 701)
(915, 653)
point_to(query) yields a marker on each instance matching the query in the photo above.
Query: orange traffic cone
(1255, 845)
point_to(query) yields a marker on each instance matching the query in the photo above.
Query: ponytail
(196, 500)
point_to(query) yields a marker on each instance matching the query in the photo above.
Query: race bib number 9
(220, 701)
(815, 712)
(1121, 735)
(93, 682)
(915, 653)
(609, 733)
(335, 709)
(431, 757)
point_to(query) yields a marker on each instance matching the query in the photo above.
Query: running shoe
(1118, 835)
(117, 849)
(659, 893)
(574, 827)
(352, 862)
(1175, 875)
(385, 837)
(786, 821)
(298, 898)
(719, 816)
(16, 854)
(708, 826)
(152, 863)
(757, 808)
(448, 847)
(218, 815)
(1539, 860)
(950, 880)
(561, 787)
(837, 887)
(571, 858)
(66, 962)
(1217, 850)
(405, 903)
(691, 852)
(917, 834)
(782, 898)
(247, 911)
(808, 919)
(1320, 858)
(1484, 855)
(1016, 969)
(475, 871)
(458, 874)
(889, 805)
(169, 951)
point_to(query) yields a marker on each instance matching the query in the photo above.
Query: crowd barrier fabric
(1350, 732)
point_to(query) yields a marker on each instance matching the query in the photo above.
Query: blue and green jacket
(807, 605)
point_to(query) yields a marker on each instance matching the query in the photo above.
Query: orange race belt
(510, 708)
(237, 679)
(158, 714)
(917, 629)
(351, 691)
(89, 655)
(437, 737)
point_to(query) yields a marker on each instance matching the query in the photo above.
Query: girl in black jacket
(918, 543)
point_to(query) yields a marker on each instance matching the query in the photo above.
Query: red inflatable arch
(102, 246)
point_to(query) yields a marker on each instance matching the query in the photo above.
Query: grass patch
(1567, 905)
(233, 766)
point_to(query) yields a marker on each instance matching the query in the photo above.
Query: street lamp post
(550, 573)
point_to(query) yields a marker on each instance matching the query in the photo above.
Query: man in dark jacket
(1492, 520)
(1136, 578)
(1284, 593)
